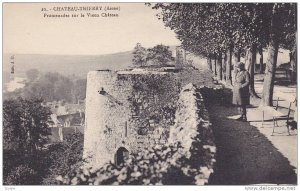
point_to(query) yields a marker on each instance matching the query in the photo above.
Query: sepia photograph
(158, 93)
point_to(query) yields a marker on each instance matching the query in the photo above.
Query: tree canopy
(25, 132)
(32, 74)
(219, 25)
(25, 124)
(210, 29)
(159, 55)
(64, 157)
(54, 86)
(28, 158)
(139, 55)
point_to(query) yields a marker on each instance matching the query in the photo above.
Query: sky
(27, 31)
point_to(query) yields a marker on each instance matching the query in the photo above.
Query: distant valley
(79, 65)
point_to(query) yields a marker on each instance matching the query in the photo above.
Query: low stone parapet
(193, 130)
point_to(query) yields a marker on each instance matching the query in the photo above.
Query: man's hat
(240, 65)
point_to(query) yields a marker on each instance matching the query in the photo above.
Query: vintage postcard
(150, 94)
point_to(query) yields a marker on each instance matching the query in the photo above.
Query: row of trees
(26, 158)
(159, 55)
(222, 32)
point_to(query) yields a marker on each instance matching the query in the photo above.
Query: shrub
(161, 165)
(21, 175)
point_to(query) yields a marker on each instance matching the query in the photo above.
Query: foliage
(79, 89)
(51, 86)
(13, 95)
(25, 131)
(159, 165)
(54, 87)
(139, 55)
(213, 27)
(210, 29)
(21, 175)
(26, 160)
(157, 95)
(63, 157)
(25, 124)
(159, 55)
(32, 74)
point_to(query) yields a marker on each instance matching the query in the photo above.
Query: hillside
(81, 64)
(67, 64)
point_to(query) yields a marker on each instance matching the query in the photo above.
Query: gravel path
(244, 155)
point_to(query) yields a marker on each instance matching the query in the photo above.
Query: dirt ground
(244, 155)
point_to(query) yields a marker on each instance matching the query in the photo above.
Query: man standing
(241, 95)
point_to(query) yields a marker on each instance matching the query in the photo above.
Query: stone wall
(146, 114)
(129, 110)
(193, 129)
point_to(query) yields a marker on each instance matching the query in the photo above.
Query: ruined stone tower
(126, 111)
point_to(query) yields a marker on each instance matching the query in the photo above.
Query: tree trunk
(268, 87)
(213, 65)
(228, 66)
(224, 58)
(238, 56)
(209, 62)
(267, 97)
(215, 68)
(236, 59)
(251, 61)
(261, 60)
(219, 66)
(293, 61)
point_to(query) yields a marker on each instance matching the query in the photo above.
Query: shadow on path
(244, 155)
